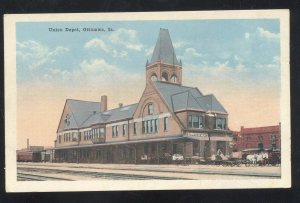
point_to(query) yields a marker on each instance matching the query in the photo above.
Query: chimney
(103, 104)
(27, 144)
(120, 105)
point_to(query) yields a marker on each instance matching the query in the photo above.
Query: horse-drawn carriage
(259, 157)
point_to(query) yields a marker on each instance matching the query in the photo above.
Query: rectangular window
(114, 131)
(220, 123)
(124, 129)
(149, 126)
(134, 128)
(59, 139)
(190, 123)
(101, 132)
(156, 125)
(117, 130)
(166, 123)
(201, 124)
(152, 126)
(195, 120)
(146, 126)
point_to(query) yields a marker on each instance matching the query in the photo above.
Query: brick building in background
(267, 137)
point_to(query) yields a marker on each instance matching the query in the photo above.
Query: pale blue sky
(250, 48)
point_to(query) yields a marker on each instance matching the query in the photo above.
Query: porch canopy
(161, 139)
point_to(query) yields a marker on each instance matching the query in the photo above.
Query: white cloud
(192, 52)
(247, 35)
(179, 44)
(36, 54)
(149, 51)
(261, 33)
(127, 38)
(267, 34)
(96, 42)
(96, 65)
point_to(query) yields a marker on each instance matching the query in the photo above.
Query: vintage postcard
(147, 101)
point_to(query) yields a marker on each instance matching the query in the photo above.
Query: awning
(121, 143)
(212, 138)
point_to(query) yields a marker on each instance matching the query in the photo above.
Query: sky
(236, 60)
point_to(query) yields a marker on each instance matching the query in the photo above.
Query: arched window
(154, 77)
(174, 78)
(164, 76)
(150, 109)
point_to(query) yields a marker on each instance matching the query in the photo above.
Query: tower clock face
(67, 120)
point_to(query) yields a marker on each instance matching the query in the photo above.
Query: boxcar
(28, 156)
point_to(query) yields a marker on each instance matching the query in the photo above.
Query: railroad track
(202, 171)
(102, 175)
(34, 177)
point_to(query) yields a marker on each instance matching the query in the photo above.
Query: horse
(251, 159)
(260, 159)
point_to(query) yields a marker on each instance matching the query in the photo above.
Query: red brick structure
(169, 119)
(267, 137)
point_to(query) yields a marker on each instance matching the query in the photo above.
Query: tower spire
(164, 50)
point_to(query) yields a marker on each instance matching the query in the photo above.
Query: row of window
(164, 77)
(148, 126)
(260, 138)
(197, 121)
(115, 130)
(93, 134)
(69, 137)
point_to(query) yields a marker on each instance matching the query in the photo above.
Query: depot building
(169, 119)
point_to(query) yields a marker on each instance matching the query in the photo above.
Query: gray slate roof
(180, 97)
(117, 114)
(81, 110)
(164, 50)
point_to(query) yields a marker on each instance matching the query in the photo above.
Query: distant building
(168, 119)
(267, 137)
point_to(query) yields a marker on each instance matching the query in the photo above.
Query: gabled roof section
(117, 114)
(180, 97)
(210, 103)
(164, 50)
(82, 110)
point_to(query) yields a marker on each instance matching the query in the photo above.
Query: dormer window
(150, 109)
(195, 121)
(220, 123)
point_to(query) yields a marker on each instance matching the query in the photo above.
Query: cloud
(96, 65)
(127, 38)
(149, 51)
(36, 54)
(262, 33)
(192, 52)
(179, 44)
(96, 42)
(267, 34)
(247, 35)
